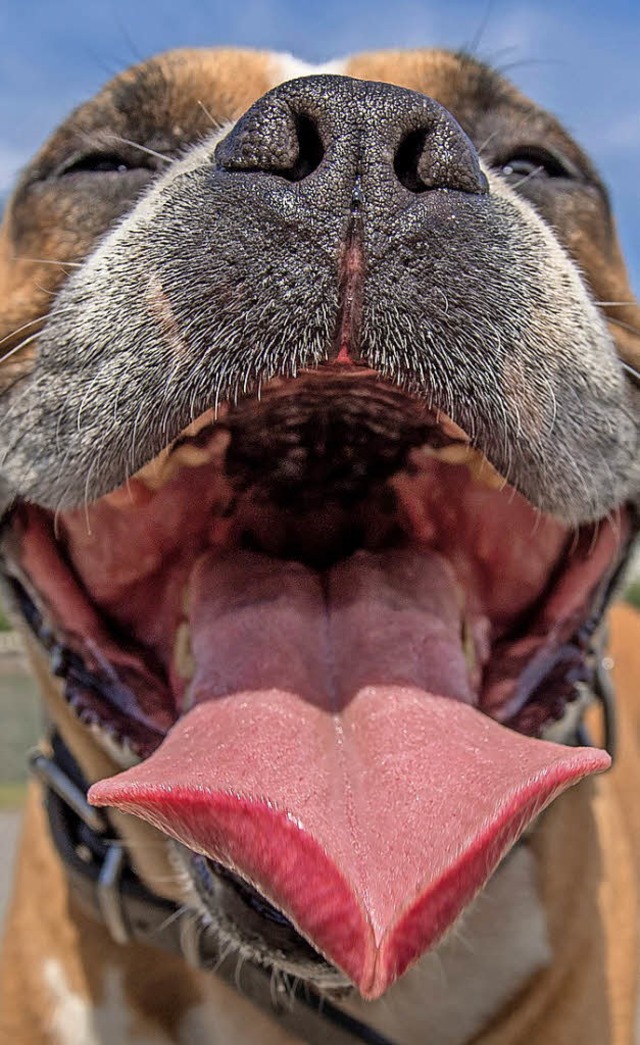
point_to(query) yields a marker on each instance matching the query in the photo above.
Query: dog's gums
(326, 632)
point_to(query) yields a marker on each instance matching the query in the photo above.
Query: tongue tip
(341, 929)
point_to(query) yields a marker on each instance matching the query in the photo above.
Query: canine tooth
(469, 648)
(479, 466)
(200, 422)
(451, 428)
(155, 473)
(118, 750)
(168, 462)
(183, 661)
(454, 453)
(189, 456)
(484, 473)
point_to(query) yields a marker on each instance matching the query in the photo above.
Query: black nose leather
(335, 127)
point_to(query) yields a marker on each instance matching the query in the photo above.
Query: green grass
(4, 623)
(20, 724)
(632, 594)
(12, 796)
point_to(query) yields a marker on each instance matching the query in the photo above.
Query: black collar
(105, 884)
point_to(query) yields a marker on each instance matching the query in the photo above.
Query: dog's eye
(534, 162)
(98, 163)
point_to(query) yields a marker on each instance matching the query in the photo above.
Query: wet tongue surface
(333, 757)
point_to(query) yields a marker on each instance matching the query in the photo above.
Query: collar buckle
(602, 689)
(108, 891)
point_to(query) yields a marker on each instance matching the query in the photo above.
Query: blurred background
(576, 57)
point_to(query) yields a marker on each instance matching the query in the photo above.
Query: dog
(320, 421)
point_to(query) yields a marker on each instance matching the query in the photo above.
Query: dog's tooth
(451, 429)
(479, 466)
(413, 512)
(183, 661)
(157, 472)
(469, 648)
(190, 456)
(454, 453)
(484, 473)
(200, 422)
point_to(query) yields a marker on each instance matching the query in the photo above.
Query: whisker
(631, 372)
(531, 174)
(214, 123)
(10, 385)
(142, 148)
(520, 63)
(170, 919)
(487, 141)
(474, 44)
(610, 304)
(25, 326)
(625, 326)
(124, 843)
(48, 261)
(17, 348)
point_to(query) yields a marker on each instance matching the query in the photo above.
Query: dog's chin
(313, 617)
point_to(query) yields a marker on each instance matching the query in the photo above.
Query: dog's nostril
(407, 160)
(273, 139)
(438, 155)
(310, 152)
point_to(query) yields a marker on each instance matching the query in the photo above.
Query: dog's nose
(334, 128)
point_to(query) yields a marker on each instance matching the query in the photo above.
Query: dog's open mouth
(316, 617)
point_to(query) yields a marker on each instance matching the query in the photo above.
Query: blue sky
(580, 59)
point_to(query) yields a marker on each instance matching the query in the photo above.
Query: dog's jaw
(548, 403)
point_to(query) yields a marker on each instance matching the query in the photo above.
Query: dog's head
(319, 458)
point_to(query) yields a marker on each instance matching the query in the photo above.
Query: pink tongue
(333, 758)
